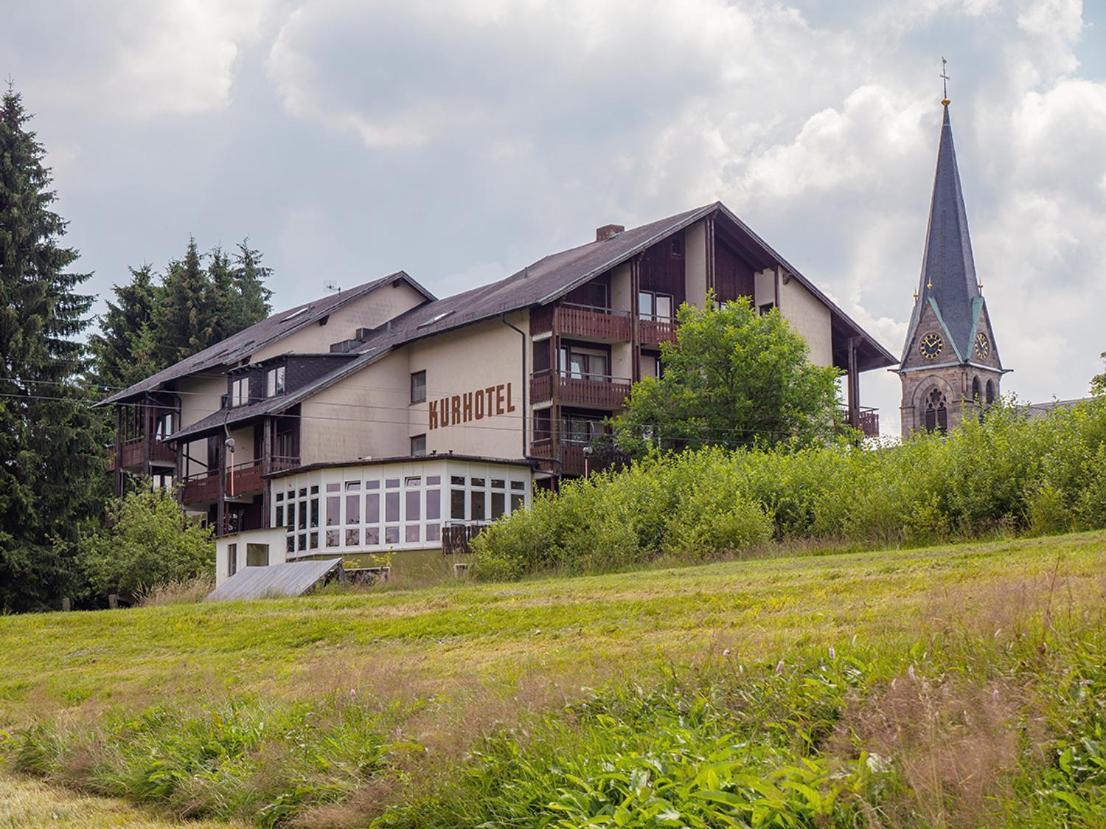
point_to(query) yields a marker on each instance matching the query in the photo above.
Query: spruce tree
(183, 319)
(252, 301)
(123, 350)
(51, 457)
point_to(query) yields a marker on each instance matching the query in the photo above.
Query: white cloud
(136, 59)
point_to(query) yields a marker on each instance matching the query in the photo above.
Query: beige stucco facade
(810, 317)
(370, 311)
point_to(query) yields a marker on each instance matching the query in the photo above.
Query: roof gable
(272, 329)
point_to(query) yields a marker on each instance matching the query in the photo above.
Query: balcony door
(579, 363)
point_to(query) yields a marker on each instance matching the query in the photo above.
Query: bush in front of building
(678, 506)
(996, 476)
(147, 542)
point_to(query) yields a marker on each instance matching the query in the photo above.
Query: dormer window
(274, 381)
(240, 392)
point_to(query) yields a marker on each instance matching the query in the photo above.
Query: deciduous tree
(732, 378)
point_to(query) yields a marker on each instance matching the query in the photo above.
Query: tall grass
(1003, 474)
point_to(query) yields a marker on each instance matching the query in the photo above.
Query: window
(240, 392)
(584, 365)
(654, 306)
(936, 412)
(257, 555)
(766, 307)
(165, 425)
(581, 430)
(232, 559)
(976, 392)
(353, 502)
(274, 382)
(418, 446)
(990, 392)
(543, 424)
(418, 387)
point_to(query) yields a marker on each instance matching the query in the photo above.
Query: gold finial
(930, 284)
(915, 296)
(945, 82)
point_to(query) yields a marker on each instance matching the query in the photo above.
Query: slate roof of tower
(948, 281)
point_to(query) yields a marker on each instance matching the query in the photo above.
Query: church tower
(950, 367)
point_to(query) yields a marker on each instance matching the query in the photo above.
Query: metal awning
(292, 579)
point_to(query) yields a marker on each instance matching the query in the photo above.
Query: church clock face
(931, 346)
(982, 346)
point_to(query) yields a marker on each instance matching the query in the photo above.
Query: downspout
(525, 384)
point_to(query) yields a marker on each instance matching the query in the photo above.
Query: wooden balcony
(569, 459)
(869, 421)
(588, 322)
(654, 331)
(133, 454)
(243, 480)
(590, 391)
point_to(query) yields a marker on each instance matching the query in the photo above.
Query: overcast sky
(461, 140)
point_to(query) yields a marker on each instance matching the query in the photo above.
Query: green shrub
(147, 542)
(1002, 474)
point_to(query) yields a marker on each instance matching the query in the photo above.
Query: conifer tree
(51, 460)
(252, 295)
(183, 319)
(123, 350)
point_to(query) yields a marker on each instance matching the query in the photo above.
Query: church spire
(948, 280)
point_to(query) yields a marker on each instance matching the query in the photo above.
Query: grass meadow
(957, 685)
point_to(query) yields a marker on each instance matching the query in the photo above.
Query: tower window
(990, 392)
(977, 394)
(936, 414)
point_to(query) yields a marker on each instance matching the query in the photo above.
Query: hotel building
(385, 419)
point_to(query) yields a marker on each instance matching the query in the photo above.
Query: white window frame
(274, 381)
(240, 392)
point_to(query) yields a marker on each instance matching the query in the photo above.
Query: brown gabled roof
(239, 346)
(543, 282)
(554, 276)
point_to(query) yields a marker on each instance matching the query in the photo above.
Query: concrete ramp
(292, 579)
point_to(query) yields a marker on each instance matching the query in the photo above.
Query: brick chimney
(606, 232)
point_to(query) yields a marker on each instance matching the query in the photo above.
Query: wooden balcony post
(266, 465)
(635, 319)
(853, 386)
(221, 503)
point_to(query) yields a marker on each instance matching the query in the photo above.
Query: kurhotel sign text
(473, 405)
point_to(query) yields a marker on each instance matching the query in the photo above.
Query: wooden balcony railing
(457, 537)
(656, 330)
(242, 480)
(869, 421)
(132, 454)
(591, 323)
(570, 458)
(591, 391)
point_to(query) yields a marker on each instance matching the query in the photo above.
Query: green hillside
(820, 690)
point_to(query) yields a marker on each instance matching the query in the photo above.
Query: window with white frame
(274, 381)
(240, 392)
(366, 509)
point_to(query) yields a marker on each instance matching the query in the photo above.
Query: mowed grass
(351, 703)
(25, 803)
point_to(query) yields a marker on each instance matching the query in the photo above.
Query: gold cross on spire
(945, 82)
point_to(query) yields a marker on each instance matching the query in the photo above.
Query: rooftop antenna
(333, 287)
(945, 82)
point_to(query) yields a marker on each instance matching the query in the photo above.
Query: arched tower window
(990, 392)
(937, 413)
(977, 393)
